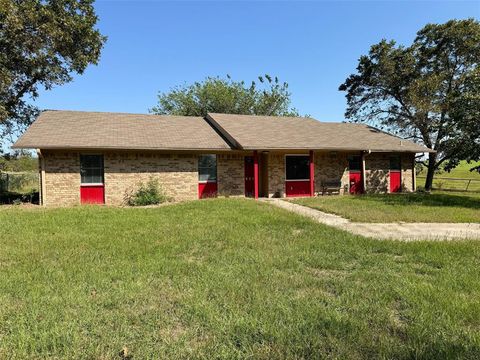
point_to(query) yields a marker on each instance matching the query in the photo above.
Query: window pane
(89, 161)
(207, 168)
(355, 163)
(91, 169)
(297, 167)
(395, 163)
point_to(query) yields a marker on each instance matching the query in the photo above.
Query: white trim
(207, 181)
(92, 184)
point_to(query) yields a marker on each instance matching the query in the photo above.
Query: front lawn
(417, 207)
(227, 279)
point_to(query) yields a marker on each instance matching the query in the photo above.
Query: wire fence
(453, 184)
(21, 182)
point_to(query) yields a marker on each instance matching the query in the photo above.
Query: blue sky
(153, 46)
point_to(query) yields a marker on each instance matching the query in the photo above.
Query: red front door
(395, 181)
(355, 182)
(92, 194)
(249, 177)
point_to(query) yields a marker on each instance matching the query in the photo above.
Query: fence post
(468, 184)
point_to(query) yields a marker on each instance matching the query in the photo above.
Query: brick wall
(62, 178)
(331, 166)
(231, 174)
(377, 172)
(176, 173)
(276, 175)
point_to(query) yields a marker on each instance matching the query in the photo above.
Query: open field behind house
(227, 278)
(459, 179)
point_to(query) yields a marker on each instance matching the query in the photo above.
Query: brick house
(87, 157)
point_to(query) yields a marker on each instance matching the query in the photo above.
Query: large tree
(215, 94)
(42, 43)
(428, 92)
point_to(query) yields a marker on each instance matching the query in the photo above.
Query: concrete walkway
(399, 231)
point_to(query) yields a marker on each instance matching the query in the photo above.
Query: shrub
(149, 193)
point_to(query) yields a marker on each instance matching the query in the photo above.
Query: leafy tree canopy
(18, 161)
(214, 94)
(428, 92)
(42, 42)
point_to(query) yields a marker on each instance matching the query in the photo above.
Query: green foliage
(19, 162)
(149, 193)
(218, 95)
(42, 43)
(428, 92)
(227, 279)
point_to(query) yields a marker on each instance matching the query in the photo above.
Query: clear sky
(153, 46)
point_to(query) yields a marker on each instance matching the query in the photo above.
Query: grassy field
(462, 171)
(229, 279)
(417, 207)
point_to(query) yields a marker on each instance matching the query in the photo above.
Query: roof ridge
(116, 113)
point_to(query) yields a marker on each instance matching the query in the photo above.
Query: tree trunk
(432, 160)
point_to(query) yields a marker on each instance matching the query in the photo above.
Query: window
(297, 167)
(91, 169)
(395, 163)
(355, 163)
(207, 168)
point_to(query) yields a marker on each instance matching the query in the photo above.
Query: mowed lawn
(449, 207)
(230, 279)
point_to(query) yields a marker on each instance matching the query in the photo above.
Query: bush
(149, 193)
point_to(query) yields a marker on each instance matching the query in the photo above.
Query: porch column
(255, 174)
(312, 174)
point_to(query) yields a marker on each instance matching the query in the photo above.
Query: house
(94, 157)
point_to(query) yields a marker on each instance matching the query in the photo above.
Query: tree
(42, 42)
(215, 94)
(428, 92)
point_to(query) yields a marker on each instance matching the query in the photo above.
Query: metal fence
(453, 184)
(21, 182)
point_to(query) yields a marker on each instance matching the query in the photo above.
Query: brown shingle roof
(271, 132)
(97, 130)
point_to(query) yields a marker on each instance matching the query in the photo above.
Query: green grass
(415, 207)
(229, 279)
(461, 172)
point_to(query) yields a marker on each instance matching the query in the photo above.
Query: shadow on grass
(423, 200)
